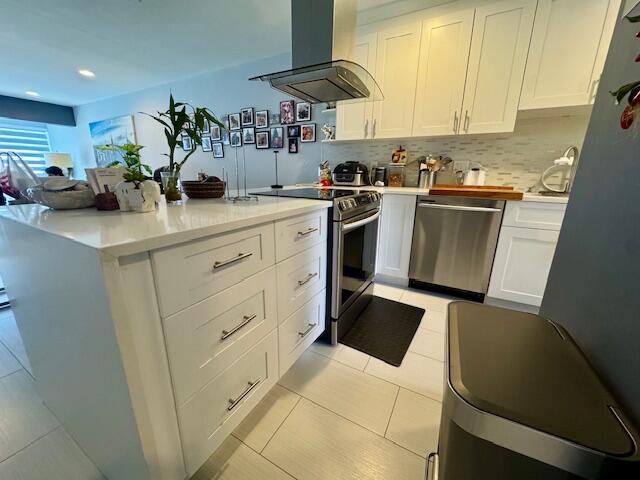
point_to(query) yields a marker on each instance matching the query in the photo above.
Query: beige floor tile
(417, 373)
(235, 461)
(434, 321)
(428, 343)
(415, 423)
(54, 456)
(8, 363)
(343, 354)
(23, 416)
(313, 443)
(428, 301)
(388, 291)
(361, 398)
(10, 336)
(263, 421)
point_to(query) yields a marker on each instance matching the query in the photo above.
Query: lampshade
(62, 160)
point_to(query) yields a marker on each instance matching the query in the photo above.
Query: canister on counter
(395, 175)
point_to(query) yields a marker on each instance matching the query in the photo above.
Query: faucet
(572, 153)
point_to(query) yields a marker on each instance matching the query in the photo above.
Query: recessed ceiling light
(32, 93)
(86, 73)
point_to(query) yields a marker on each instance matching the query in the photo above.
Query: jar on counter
(395, 175)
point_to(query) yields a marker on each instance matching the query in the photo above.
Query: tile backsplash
(515, 159)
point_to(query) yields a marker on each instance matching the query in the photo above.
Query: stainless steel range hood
(323, 36)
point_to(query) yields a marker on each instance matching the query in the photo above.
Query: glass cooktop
(310, 193)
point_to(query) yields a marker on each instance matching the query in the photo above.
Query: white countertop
(126, 233)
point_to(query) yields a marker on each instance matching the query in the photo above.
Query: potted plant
(181, 119)
(136, 192)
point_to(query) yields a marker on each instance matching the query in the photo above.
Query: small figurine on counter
(329, 132)
(324, 174)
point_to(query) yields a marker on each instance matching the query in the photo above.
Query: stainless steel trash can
(522, 402)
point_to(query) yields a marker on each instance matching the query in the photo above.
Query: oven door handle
(347, 227)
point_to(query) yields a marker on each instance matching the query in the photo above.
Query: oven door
(354, 259)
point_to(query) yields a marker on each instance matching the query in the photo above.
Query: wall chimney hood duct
(323, 36)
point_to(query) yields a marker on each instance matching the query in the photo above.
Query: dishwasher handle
(463, 208)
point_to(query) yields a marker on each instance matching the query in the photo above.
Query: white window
(30, 141)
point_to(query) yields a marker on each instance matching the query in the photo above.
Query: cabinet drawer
(194, 271)
(300, 278)
(293, 235)
(541, 215)
(212, 414)
(207, 337)
(300, 330)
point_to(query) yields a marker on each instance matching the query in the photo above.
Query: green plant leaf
(635, 19)
(624, 90)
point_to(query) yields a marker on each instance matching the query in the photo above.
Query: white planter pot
(142, 199)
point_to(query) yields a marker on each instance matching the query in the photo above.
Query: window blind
(30, 142)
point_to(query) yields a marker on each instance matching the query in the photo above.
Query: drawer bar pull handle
(306, 332)
(233, 402)
(246, 319)
(235, 259)
(307, 279)
(307, 232)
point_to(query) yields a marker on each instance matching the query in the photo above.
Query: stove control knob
(342, 204)
(353, 203)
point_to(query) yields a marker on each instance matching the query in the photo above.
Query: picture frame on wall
(276, 137)
(234, 121)
(262, 140)
(206, 127)
(274, 119)
(293, 131)
(216, 133)
(248, 135)
(308, 132)
(303, 112)
(207, 144)
(246, 116)
(262, 119)
(293, 145)
(218, 150)
(187, 143)
(236, 138)
(287, 112)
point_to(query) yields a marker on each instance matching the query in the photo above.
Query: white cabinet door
(442, 69)
(522, 263)
(569, 43)
(353, 117)
(501, 35)
(396, 72)
(396, 232)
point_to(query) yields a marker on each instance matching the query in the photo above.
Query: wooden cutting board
(484, 191)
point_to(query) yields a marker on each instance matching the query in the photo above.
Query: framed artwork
(236, 138)
(293, 145)
(234, 121)
(262, 140)
(308, 132)
(218, 150)
(287, 116)
(262, 119)
(248, 135)
(187, 143)
(246, 116)
(276, 138)
(206, 144)
(206, 128)
(293, 131)
(303, 112)
(274, 119)
(216, 134)
(114, 131)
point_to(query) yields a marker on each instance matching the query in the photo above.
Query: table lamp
(62, 160)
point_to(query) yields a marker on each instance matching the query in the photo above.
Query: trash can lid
(524, 368)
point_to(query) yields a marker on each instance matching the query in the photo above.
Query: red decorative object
(631, 91)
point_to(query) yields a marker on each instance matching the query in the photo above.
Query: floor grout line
(259, 454)
(395, 401)
(29, 444)
(281, 423)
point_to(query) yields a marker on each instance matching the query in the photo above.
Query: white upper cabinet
(353, 117)
(568, 48)
(444, 54)
(501, 36)
(396, 71)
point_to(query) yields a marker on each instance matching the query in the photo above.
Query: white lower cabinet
(212, 414)
(395, 237)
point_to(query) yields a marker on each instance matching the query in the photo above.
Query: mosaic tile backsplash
(516, 159)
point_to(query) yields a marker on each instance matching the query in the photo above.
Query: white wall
(223, 91)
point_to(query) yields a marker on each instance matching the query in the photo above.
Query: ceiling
(130, 44)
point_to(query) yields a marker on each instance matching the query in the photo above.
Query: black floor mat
(384, 330)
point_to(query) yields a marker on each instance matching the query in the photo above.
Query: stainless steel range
(351, 243)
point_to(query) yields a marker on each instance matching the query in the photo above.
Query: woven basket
(196, 189)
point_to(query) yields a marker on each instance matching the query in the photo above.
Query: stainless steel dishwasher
(454, 242)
